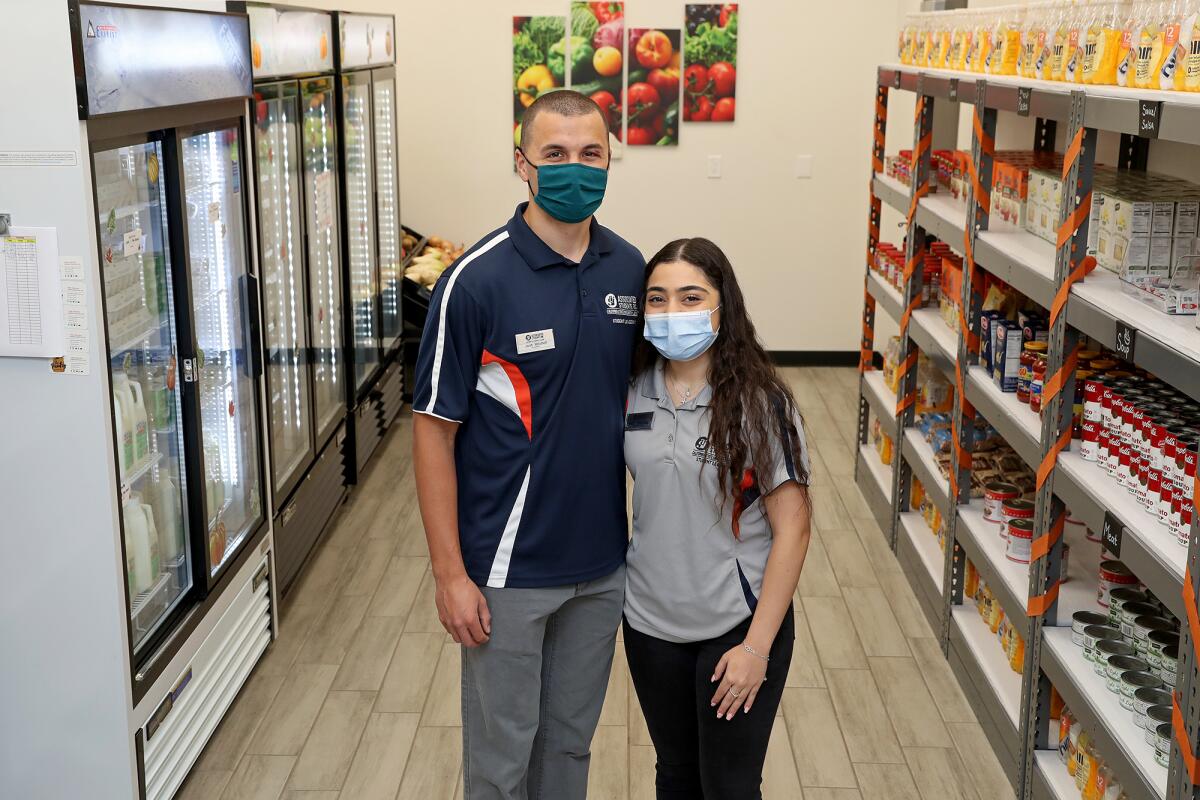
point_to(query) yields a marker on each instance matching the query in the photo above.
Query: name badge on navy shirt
(639, 422)
(535, 341)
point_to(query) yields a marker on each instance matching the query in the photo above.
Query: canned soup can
(1105, 649)
(1020, 540)
(1118, 597)
(1143, 699)
(1113, 575)
(1131, 681)
(1080, 620)
(1155, 716)
(995, 495)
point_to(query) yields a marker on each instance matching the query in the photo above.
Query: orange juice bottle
(1191, 78)
(1127, 49)
(983, 45)
(1149, 42)
(1039, 66)
(1076, 38)
(1108, 27)
(1058, 40)
(945, 40)
(1172, 69)
(1011, 54)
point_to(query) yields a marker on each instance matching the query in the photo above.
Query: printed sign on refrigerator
(290, 41)
(367, 40)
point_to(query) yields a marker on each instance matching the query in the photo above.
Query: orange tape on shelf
(1072, 154)
(1072, 223)
(1193, 617)
(1190, 762)
(986, 144)
(1042, 544)
(1051, 459)
(983, 198)
(1054, 385)
(906, 403)
(1040, 604)
(916, 199)
(907, 315)
(1060, 298)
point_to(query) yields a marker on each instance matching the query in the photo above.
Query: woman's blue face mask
(569, 192)
(681, 335)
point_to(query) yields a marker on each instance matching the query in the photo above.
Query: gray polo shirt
(689, 578)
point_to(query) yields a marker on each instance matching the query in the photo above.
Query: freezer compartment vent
(181, 725)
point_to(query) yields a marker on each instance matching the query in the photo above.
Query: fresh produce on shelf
(433, 260)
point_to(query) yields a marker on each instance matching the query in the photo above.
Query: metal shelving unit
(1013, 707)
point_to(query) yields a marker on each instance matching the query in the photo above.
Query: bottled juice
(920, 42)
(1011, 24)
(1127, 52)
(1107, 29)
(1062, 25)
(904, 45)
(982, 46)
(944, 40)
(1167, 55)
(1037, 55)
(1076, 38)
(960, 42)
(1191, 81)
(1083, 749)
(1180, 33)
(1149, 44)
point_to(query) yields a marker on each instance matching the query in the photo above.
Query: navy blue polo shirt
(531, 354)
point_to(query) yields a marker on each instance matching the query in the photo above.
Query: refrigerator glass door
(135, 265)
(360, 222)
(388, 201)
(216, 239)
(324, 253)
(285, 331)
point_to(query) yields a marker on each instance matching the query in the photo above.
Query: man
(517, 447)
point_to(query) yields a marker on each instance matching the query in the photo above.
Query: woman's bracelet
(755, 653)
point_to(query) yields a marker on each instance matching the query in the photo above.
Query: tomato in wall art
(651, 98)
(597, 61)
(710, 62)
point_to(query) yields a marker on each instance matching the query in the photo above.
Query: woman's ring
(734, 692)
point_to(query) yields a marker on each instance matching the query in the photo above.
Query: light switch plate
(714, 166)
(804, 166)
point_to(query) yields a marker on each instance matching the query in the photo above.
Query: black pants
(699, 756)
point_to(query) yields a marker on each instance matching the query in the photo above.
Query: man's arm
(462, 608)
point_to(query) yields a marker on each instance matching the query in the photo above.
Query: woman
(720, 528)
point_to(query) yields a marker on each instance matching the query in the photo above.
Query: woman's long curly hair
(751, 406)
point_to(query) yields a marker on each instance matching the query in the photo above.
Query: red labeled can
(1127, 466)
(1142, 490)
(1166, 502)
(1020, 540)
(1181, 518)
(1113, 575)
(1014, 509)
(1184, 474)
(995, 495)
(1093, 391)
(1104, 448)
(1089, 447)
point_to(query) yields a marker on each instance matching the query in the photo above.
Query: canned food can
(1166, 503)
(1016, 509)
(1130, 612)
(1083, 619)
(1170, 665)
(1089, 447)
(1142, 627)
(1181, 517)
(1144, 698)
(1162, 744)
(1155, 716)
(1020, 540)
(1113, 575)
(1116, 666)
(1118, 597)
(1133, 680)
(1158, 641)
(1093, 390)
(1103, 644)
(995, 494)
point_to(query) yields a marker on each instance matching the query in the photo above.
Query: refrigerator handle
(254, 315)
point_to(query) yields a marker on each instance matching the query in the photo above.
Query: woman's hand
(741, 674)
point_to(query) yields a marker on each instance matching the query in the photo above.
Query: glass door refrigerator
(295, 156)
(164, 95)
(370, 206)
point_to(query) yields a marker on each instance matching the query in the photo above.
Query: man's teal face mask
(569, 192)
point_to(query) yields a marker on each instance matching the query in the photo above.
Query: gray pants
(533, 694)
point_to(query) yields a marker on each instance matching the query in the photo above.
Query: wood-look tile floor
(358, 698)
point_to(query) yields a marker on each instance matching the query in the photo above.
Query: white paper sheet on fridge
(31, 323)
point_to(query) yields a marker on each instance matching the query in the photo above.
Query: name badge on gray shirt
(639, 422)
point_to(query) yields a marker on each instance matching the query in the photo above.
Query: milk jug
(137, 547)
(141, 425)
(123, 407)
(166, 508)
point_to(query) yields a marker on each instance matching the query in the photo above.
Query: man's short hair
(565, 102)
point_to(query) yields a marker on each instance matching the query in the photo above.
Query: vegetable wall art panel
(534, 40)
(596, 66)
(652, 99)
(710, 62)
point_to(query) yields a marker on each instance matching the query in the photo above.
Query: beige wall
(797, 244)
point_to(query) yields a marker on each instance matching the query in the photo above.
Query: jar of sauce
(1029, 356)
(1037, 381)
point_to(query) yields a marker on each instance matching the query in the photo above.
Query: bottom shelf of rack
(1051, 781)
(874, 478)
(991, 687)
(923, 563)
(1119, 741)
